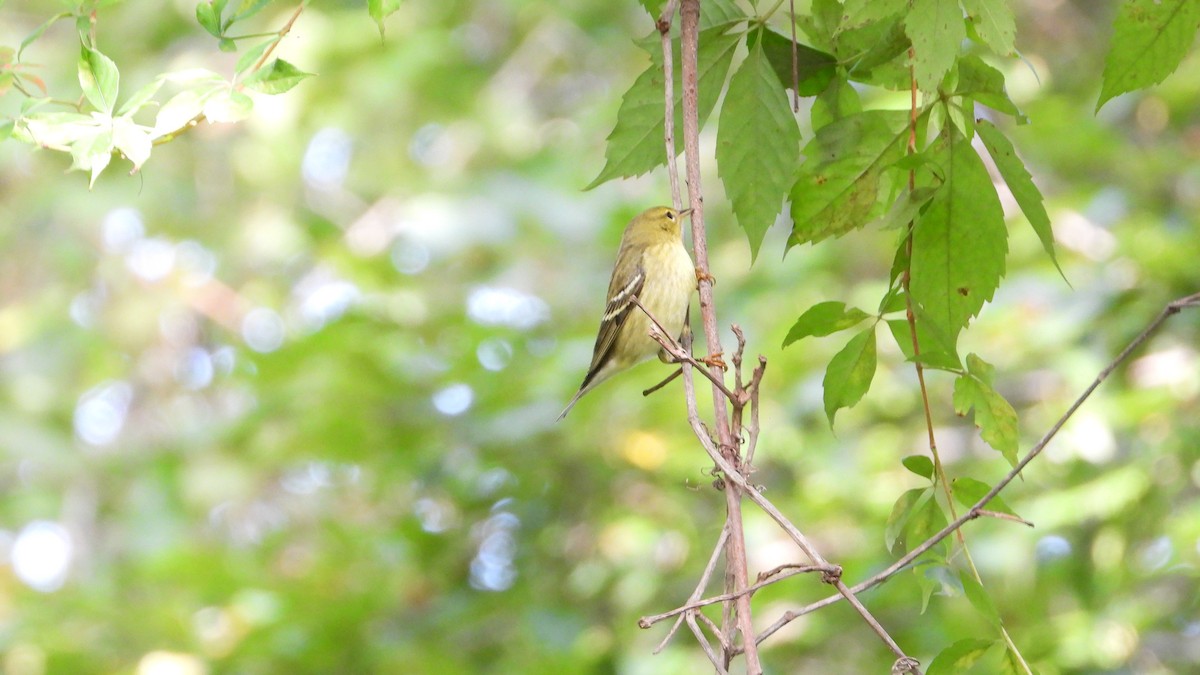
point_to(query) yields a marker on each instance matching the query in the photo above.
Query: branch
(648, 621)
(976, 510)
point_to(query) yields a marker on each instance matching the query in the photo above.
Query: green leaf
(839, 101)
(931, 578)
(758, 146)
(901, 512)
(655, 7)
(959, 241)
(1150, 38)
(251, 56)
(877, 53)
(1021, 184)
(968, 491)
(906, 207)
(861, 12)
(994, 416)
(380, 10)
(920, 465)
(275, 77)
(980, 368)
(99, 78)
(936, 30)
(824, 318)
(959, 657)
(714, 13)
(838, 187)
(849, 374)
(6, 129)
(937, 350)
(249, 8)
(985, 84)
(209, 18)
(635, 145)
(979, 598)
(993, 22)
(815, 69)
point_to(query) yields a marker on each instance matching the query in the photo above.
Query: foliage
(287, 394)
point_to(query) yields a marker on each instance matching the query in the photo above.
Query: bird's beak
(685, 212)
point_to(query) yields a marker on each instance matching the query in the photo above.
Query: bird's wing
(621, 290)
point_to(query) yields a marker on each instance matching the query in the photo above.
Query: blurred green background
(284, 401)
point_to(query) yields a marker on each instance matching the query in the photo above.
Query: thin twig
(667, 380)
(680, 354)
(664, 30)
(700, 586)
(1171, 309)
(647, 621)
(795, 59)
(708, 650)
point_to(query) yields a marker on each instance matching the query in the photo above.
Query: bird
(654, 266)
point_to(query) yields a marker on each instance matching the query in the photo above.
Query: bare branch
(1171, 309)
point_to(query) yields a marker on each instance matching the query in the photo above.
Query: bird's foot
(715, 360)
(701, 275)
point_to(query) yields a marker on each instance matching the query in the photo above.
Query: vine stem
(977, 509)
(735, 548)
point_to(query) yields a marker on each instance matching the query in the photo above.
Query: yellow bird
(653, 265)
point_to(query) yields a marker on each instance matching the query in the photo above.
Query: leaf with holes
(959, 240)
(838, 186)
(993, 23)
(936, 30)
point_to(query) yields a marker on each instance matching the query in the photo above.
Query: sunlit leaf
(824, 318)
(936, 29)
(993, 22)
(275, 77)
(99, 78)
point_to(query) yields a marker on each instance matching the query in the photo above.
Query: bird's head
(655, 223)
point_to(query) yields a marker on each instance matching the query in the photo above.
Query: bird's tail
(570, 405)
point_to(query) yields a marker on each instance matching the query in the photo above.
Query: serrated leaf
(715, 13)
(1150, 38)
(824, 318)
(758, 146)
(919, 464)
(1021, 184)
(979, 598)
(967, 491)
(861, 12)
(901, 511)
(275, 77)
(993, 22)
(635, 145)
(99, 78)
(815, 69)
(877, 53)
(995, 417)
(838, 186)
(959, 241)
(849, 374)
(380, 10)
(959, 657)
(936, 30)
(839, 101)
(985, 84)
(209, 18)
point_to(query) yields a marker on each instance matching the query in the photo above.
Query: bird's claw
(715, 360)
(701, 275)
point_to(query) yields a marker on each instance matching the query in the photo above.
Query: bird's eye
(671, 215)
